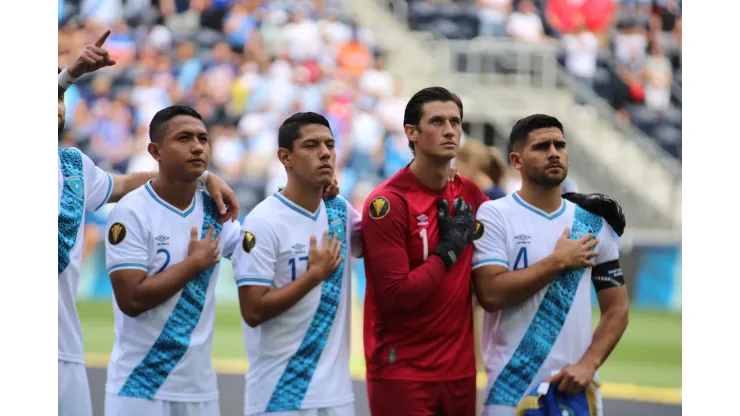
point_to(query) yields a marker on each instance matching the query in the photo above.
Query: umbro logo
(298, 247)
(162, 240)
(422, 219)
(522, 239)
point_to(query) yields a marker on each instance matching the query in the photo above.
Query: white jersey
(82, 187)
(524, 344)
(165, 353)
(300, 358)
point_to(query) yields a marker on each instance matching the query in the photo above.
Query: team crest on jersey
(75, 182)
(337, 227)
(379, 208)
(479, 230)
(249, 242)
(116, 233)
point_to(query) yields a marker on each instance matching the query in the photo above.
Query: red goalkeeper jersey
(418, 316)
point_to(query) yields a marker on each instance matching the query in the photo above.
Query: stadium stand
(628, 51)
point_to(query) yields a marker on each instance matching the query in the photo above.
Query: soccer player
(294, 291)
(418, 328)
(163, 249)
(85, 187)
(534, 264)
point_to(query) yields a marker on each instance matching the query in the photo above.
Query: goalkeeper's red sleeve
(387, 259)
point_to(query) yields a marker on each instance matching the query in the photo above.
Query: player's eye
(454, 122)
(560, 145)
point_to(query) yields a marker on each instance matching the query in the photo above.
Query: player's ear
(153, 150)
(284, 157)
(411, 132)
(516, 159)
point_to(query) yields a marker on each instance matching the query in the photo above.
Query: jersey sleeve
(255, 256)
(608, 246)
(98, 184)
(355, 230)
(384, 230)
(490, 247)
(230, 238)
(125, 241)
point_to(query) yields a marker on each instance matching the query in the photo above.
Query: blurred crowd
(628, 51)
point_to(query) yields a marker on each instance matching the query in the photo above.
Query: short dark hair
(59, 70)
(290, 130)
(415, 107)
(158, 125)
(522, 128)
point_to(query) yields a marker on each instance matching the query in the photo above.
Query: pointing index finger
(102, 38)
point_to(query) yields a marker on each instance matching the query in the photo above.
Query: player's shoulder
(265, 213)
(134, 202)
(500, 206)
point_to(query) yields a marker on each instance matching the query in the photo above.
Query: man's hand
(225, 198)
(574, 378)
(332, 190)
(92, 58)
(575, 254)
(601, 205)
(322, 262)
(205, 253)
(455, 232)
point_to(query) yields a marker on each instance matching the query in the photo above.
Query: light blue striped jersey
(300, 358)
(82, 187)
(522, 345)
(165, 353)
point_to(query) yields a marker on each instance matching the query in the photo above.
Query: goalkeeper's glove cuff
(447, 254)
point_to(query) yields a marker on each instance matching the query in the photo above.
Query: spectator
(492, 16)
(525, 24)
(354, 57)
(581, 51)
(377, 81)
(658, 76)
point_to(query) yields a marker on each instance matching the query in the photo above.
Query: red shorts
(422, 398)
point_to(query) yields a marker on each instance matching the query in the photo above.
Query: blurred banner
(652, 273)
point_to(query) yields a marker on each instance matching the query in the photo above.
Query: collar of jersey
(162, 202)
(538, 211)
(296, 208)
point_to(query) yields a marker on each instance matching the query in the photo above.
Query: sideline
(619, 391)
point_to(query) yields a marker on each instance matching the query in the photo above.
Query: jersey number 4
(521, 259)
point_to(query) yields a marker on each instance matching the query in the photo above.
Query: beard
(545, 180)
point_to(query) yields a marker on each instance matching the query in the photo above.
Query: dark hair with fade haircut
(523, 127)
(415, 106)
(290, 130)
(158, 125)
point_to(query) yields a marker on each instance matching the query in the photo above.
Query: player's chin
(447, 153)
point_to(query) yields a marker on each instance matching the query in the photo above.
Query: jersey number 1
(425, 242)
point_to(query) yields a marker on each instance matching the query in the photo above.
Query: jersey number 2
(166, 259)
(521, 257)
(292, 265)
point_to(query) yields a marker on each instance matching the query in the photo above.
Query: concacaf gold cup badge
(116, 233)
(379, 208)
(479, 230)
(250, 240)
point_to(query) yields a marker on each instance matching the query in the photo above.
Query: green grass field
(649, 353)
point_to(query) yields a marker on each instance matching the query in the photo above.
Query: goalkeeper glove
(455, 232)
(601, 205)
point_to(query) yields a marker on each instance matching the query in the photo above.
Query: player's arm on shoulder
(255, 262)
(127, 261)
(123, 184)
(495, 286)
(608, 280)
(384, 231)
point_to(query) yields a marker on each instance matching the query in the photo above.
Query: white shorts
(343, 410)
(74, 390)
(116, 405)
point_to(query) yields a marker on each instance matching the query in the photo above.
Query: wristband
(202, 179)
(65, 80)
